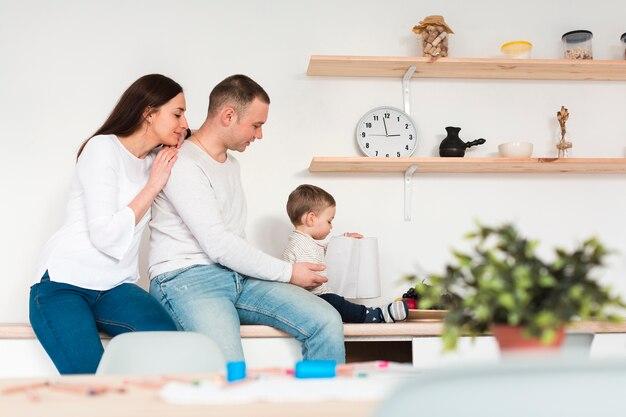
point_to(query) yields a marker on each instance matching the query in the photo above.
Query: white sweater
(199, 219)
(97, 247)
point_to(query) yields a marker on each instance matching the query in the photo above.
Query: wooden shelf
(408, 328)
(484, 68)
(470, 165)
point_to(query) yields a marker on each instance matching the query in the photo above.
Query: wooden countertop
(416, 328)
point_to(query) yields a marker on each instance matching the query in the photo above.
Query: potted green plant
(504, 287)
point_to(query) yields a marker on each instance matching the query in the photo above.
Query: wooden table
(139, 396)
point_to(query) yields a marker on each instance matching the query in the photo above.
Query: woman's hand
(162, 167)
(159, 174)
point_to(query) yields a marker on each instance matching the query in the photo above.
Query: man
(201, 267)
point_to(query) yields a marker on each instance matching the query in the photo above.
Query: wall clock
(386, 132)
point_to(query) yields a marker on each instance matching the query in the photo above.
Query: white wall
(64, 64)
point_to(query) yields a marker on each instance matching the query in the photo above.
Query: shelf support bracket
(406, 89)
(408, 174)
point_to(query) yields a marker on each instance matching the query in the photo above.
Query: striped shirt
(303, 248)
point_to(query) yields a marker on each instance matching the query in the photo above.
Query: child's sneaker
(396, 311)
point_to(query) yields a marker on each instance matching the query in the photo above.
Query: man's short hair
(307, 198)
(237, 90)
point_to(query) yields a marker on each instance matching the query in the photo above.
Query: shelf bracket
(408, 174)
(406, 89)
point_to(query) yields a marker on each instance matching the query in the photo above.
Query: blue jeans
(66, 320)
(215, 300)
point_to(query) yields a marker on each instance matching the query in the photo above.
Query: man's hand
(354, 235)
(303, 275)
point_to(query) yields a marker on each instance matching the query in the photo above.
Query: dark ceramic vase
(453, 146)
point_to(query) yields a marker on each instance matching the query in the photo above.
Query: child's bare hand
(353, 235)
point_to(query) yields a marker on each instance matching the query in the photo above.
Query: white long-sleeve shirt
(97, 246)
(199, 219)
(303, 248)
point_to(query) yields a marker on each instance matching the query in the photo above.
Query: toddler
(311, 211)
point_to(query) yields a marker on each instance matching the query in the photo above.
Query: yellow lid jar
(516, 49)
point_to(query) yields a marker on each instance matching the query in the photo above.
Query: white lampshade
(352, 267)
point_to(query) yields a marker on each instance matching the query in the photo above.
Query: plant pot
(512, 338)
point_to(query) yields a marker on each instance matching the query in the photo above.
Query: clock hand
(387, 136)
(385, 124)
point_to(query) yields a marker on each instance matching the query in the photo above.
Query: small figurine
(563, 145)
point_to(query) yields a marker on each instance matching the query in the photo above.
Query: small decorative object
(315, 368)
(435, 312)
(411, 298)
(562, 116)
(453, 146)
(577, 44)
(516, 49)
(235, 371)
(386, 132)
(502, 285)
(435, 33)
(516, 149)
(623, 39)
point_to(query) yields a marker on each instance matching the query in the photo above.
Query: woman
(89, 268)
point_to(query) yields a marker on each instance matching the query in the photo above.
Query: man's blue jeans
(214, 300)
(66, 320)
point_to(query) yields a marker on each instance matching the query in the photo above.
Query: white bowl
(516, 149)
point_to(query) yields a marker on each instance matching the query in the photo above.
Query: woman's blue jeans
(215, 300)
(66, 320)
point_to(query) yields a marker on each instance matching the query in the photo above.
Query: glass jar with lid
(435, 33)
(516, 49)
(577, 44)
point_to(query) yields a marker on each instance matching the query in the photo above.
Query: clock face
(386, 132)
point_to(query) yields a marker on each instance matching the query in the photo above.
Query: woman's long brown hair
(148, 92)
